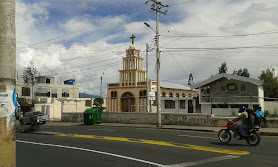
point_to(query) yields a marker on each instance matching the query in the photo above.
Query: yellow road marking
(162, 143)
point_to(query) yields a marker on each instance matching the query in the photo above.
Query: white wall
(271, 106)
(71, 105)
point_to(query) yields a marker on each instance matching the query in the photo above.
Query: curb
(262, 133)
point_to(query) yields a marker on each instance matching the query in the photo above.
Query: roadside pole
(7, 83)
(157, 6)
(147, 76)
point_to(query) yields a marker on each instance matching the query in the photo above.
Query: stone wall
(72, 117)
(166, 119)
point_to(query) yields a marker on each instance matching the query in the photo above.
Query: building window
(142, 93)
(169, 104)
(25, 91)
(182, 104)
(238, 105)
(47, 80)
(145, 93)
(183, 95)
(43, 92)
(65, 92)
(177, 95)
(54, 93)
(220, 106)
(170, 94)
(113, 94)
(163, 94)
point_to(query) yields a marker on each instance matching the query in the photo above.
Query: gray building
(223, 94)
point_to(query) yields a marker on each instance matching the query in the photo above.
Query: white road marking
(202, 137)
(94, 151)
(109, 130)
(204, 161)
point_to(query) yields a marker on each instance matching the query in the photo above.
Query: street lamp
(101, 85)
(157, 71)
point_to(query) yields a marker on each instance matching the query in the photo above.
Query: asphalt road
(119, 146)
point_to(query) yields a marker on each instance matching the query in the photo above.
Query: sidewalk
(262, 131)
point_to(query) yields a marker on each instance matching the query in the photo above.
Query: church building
(130, 95)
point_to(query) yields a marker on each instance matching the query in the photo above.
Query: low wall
(193, 119)
(72, 117)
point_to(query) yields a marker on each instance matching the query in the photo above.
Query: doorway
(127, 101)
(190, 106)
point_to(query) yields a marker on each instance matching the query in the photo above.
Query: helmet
(241, 109)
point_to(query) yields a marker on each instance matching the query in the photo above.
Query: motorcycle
(224, 135)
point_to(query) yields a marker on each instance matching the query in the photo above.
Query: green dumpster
(90, 116)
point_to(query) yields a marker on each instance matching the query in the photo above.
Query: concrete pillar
(7, 82)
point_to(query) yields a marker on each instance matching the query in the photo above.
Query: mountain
(85, 95)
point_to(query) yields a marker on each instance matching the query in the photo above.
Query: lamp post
(101, 85)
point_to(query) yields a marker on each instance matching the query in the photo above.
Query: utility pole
(157, 6)
(147, 76)
(101, 85)
(7, 83)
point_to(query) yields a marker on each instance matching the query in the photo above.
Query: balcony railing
(234, 99)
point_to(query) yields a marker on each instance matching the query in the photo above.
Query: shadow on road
(229, 144)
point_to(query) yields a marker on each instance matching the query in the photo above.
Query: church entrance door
(127, 102)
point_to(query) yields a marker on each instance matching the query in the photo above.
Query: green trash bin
(90, 116)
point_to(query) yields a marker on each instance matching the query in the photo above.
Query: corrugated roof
(174, 86)
(228, 76)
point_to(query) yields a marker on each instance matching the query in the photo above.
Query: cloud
(88, 42)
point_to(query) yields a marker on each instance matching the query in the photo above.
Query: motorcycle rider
(241, 128)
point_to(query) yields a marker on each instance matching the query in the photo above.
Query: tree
(29, 77)
(241, 72)
(98, 102)
(223, 68)
(270, 83)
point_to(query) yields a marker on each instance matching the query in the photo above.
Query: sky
(69, 39)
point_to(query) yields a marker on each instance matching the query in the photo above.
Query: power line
(229, 48)
(217, 36)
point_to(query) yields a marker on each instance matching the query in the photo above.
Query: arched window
(183, 95)
(144, 93)
(177, 95)
(163, 94)
(114, 94)
(140, 94)
(170, 94)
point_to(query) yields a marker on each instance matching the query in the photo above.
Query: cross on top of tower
(132, 37)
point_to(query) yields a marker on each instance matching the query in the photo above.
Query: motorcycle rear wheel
(224, 135)
(253, 139)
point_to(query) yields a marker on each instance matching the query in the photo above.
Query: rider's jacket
(243, 117)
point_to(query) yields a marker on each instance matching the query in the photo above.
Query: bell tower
(132, 72)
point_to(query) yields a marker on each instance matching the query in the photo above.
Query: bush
(266, 114)
(34, 126)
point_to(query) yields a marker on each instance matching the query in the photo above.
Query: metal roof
(174, 86)
(228, 76)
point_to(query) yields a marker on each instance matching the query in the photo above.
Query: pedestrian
(260, 115)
